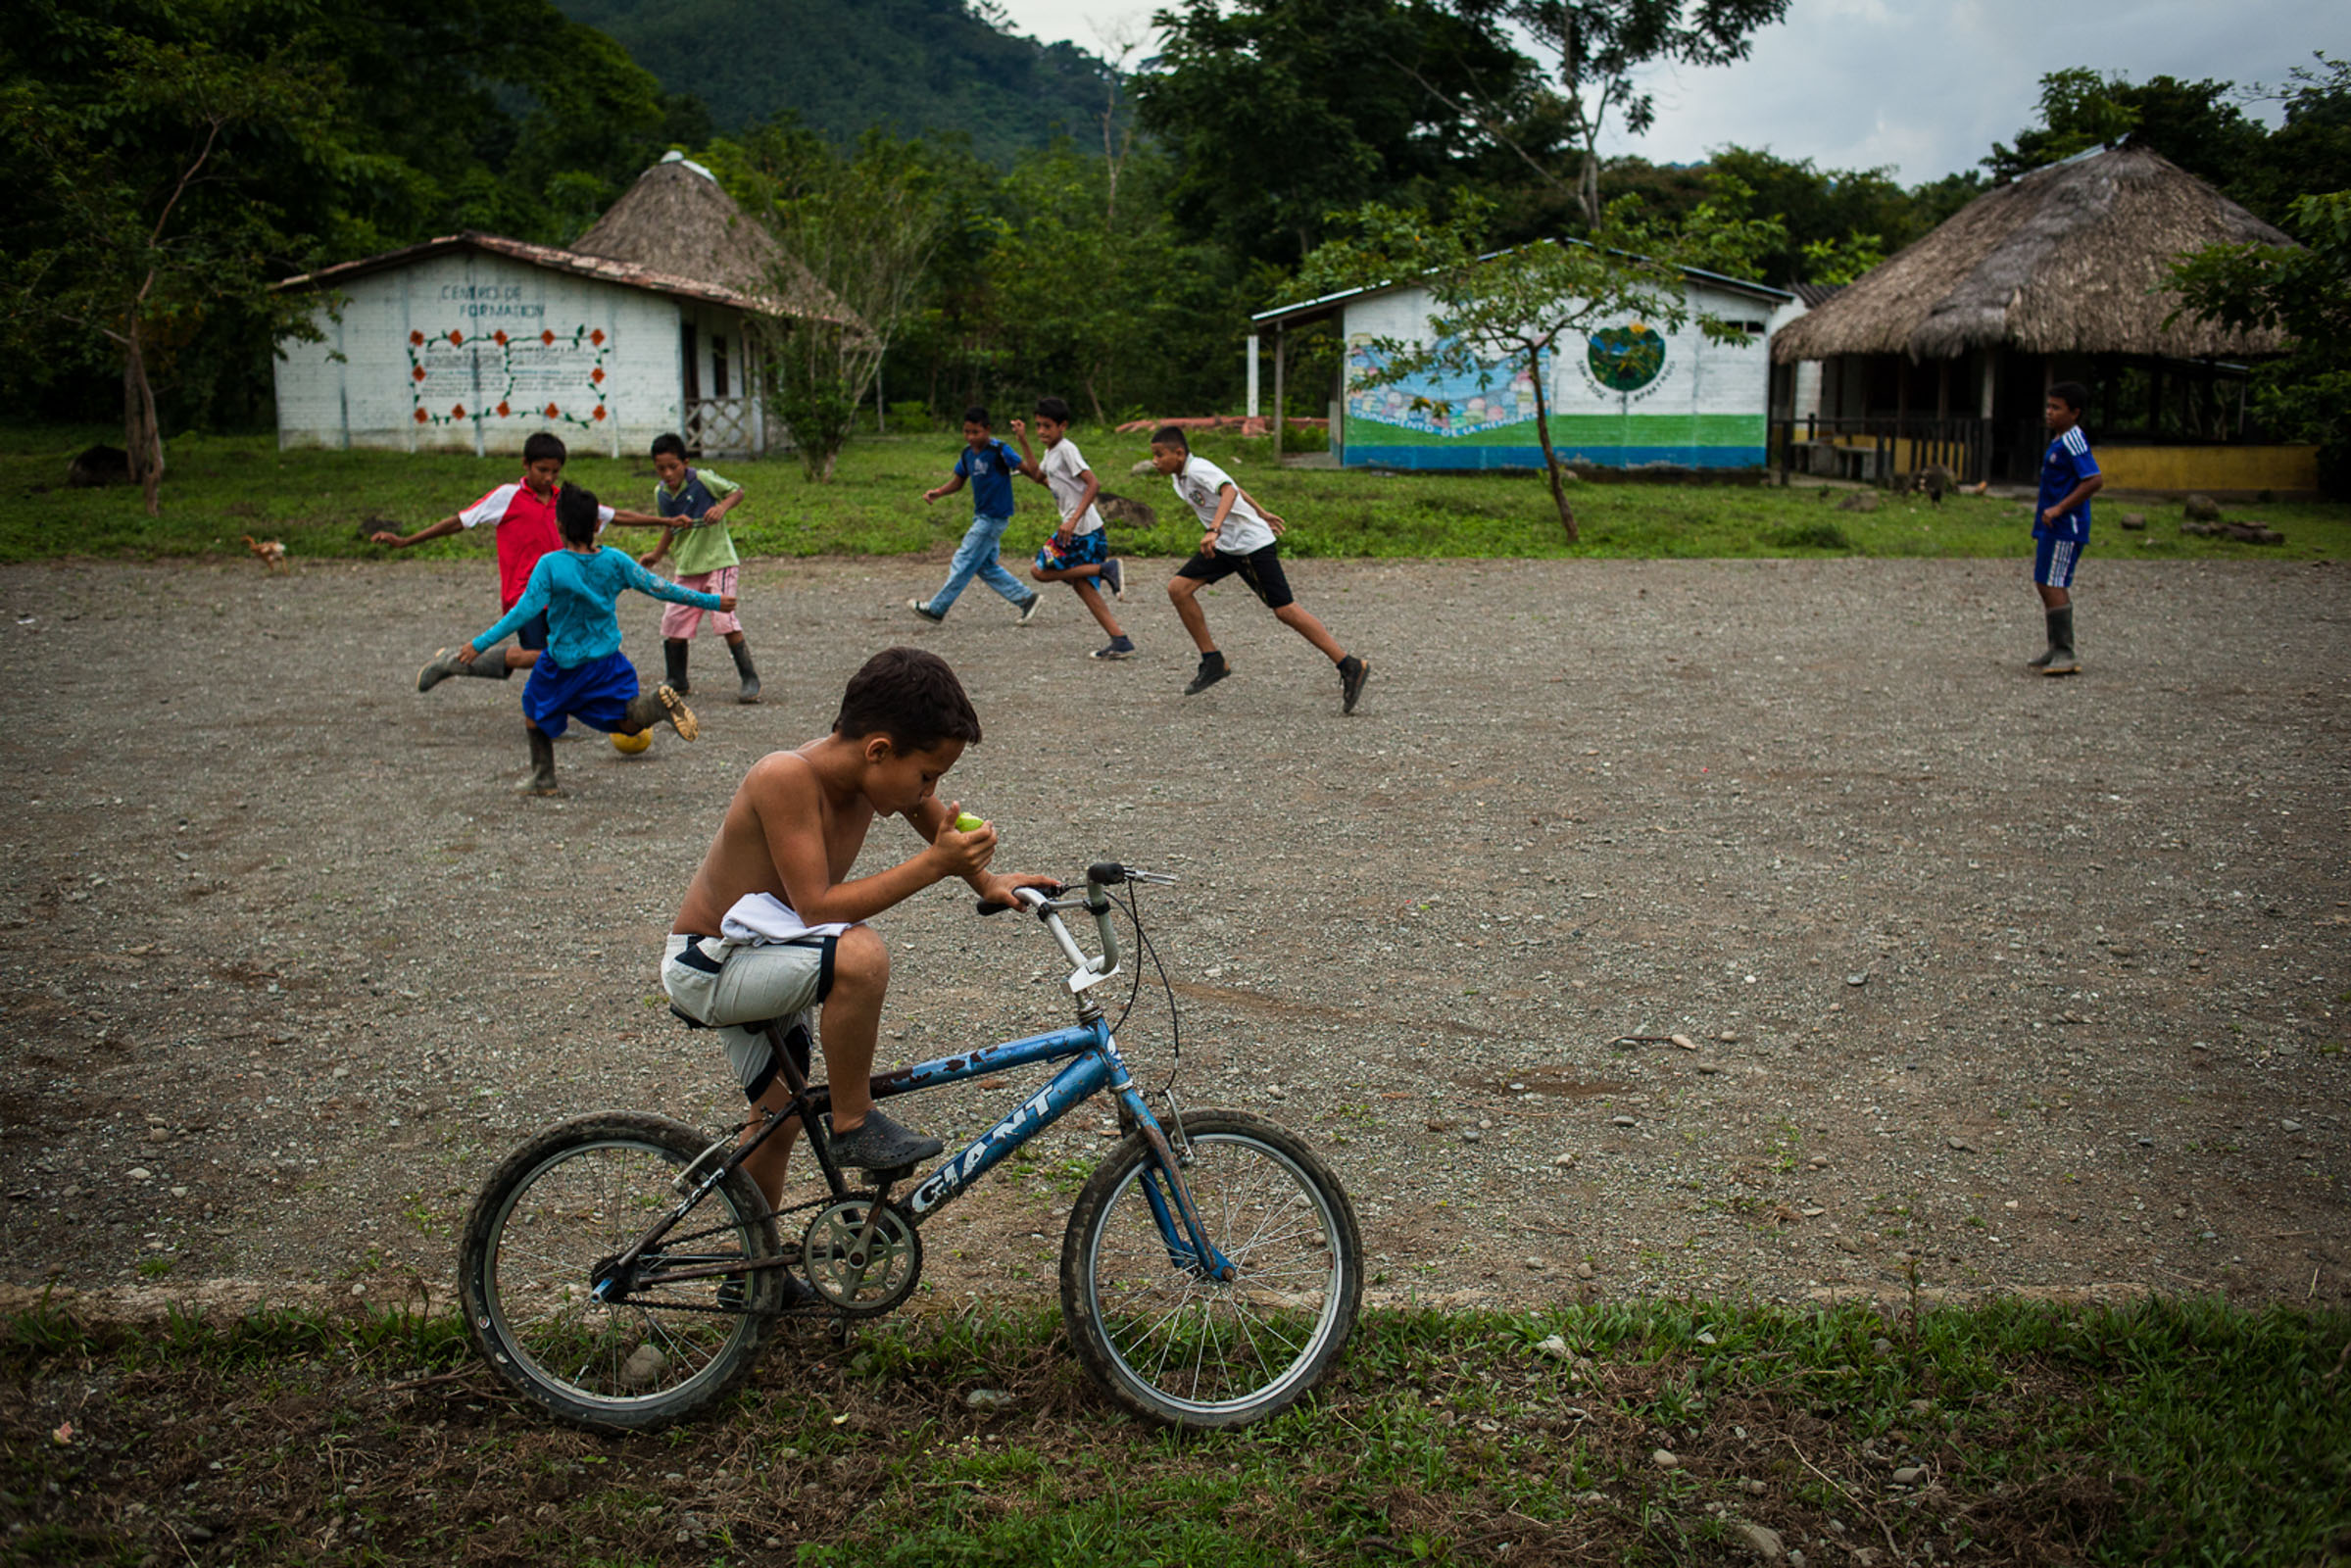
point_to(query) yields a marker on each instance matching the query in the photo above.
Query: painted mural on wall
(539, 376)
(1630, 359)
(1492, 396)
(1627, 395)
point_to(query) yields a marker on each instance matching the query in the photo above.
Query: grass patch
(2171, 1431)
(321, 503)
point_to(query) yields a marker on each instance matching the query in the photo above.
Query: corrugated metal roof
(625, 273)
(1314, 307)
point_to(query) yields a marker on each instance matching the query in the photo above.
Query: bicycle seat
(757, 1026)
(796, 1038)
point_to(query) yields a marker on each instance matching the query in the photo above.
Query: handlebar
(1087, 971)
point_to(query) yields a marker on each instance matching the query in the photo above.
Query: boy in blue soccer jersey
(583, 673)
(990, 465)
(2069, 478)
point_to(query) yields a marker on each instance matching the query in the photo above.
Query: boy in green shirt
(703, 557)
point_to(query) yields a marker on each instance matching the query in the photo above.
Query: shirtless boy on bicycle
(792, 833)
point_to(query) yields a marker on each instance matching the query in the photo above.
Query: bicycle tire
(1179, 1348)
(581, 1192)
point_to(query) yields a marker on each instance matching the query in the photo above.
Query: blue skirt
(597, 693)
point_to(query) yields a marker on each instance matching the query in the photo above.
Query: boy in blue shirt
(2069, 478)
(990, 465)
(583, 674)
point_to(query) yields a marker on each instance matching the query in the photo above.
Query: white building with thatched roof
(1945, 352)
(472, 342)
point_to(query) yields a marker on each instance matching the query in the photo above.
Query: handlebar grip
(1105, 874)
(1028, 896)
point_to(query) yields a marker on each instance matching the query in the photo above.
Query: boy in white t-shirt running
(1240, 539)
(1079, 552)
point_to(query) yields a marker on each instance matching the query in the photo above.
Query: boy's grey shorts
(724, 985)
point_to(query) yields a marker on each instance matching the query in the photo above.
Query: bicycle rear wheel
(562, 1206)
(1172, 1344)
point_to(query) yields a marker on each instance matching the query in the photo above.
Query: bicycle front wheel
(657, 1347)
(1177, 1346)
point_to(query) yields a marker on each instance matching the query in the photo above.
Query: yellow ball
(631, 745)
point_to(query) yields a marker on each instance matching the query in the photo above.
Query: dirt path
(2042, 984)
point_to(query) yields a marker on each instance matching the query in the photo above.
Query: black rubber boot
(660, 706)
(743, 667)
(445, 663)
(542, 764)
(2061, 659)
(673, 658)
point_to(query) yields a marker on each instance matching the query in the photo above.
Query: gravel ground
(2035, 986)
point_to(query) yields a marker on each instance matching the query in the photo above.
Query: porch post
(1252, 376)
(1280, 364)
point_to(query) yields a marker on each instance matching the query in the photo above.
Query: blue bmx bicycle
(622, 1272)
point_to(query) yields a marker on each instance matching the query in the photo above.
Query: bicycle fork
(1170, 1198)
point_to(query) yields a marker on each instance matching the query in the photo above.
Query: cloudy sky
(1923, 86)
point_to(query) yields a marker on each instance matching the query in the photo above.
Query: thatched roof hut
(2070, 259)
(677, 220)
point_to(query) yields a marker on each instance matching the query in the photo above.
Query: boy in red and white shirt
(522, 514)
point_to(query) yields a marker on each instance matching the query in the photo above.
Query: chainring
(863, 1255)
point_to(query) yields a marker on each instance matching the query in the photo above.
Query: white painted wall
(361, 388)
(1712, 377)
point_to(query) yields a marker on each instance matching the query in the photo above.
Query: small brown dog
(272, 552)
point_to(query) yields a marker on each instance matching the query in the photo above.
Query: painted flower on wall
(494, 379)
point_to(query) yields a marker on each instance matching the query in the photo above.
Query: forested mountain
(911, 67)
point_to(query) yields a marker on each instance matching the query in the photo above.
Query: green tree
(864, 224)
(1596, 48)
(2312, 150)
(495, 115)
(1278, 112)
(183, 156)
(2304, 292)
(1839, 221)
(1090, 293)
(2197, 124)
(164, 157)
(1493, 313)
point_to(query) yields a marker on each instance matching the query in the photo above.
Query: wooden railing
(1884, 450)
(739, 426)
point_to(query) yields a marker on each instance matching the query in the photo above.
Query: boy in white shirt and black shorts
(1240, 540)
(1079, 552)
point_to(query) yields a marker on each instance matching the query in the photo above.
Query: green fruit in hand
(968, 823)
